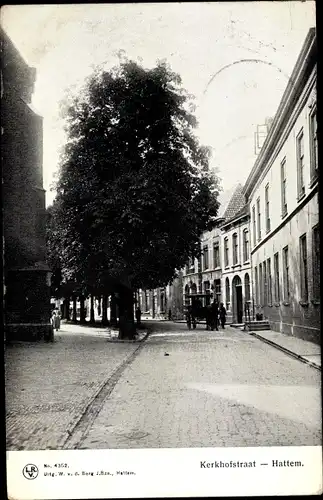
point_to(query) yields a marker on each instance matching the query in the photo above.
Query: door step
(256, 326)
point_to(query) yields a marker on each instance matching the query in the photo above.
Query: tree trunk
(113, 310)
(74, 318)
(66, 309)
(92, 317)
(104, 310)
(99, 305)
(82, 310)
(127, 329)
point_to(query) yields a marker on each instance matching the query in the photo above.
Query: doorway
(237, 306)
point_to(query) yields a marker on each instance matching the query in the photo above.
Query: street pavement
(214, 389)
(179, 388)
(49, 385)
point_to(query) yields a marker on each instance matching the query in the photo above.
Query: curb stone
(286, 351)
(134, 341)
(75, 431)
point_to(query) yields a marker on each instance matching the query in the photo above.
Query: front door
(239, 304)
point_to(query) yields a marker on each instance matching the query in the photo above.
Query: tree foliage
(134, 191)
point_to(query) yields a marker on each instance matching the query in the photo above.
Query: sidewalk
(50, 385)
(305, 351)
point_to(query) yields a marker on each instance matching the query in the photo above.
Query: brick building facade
(26, 274)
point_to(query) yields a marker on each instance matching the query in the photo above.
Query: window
(283, 187)
(191, 266)
(199, 264)
(261, 286)
(205, 257)
(245, 245)
(316, 263)
(300, 164)
(256, 286)
(227, 293)
(206, 285)
(254, 225)
(267, 208)
(286, 273)
(246, 287)
(313, 145)
(276, 271)
(265, 283)
(216, 255)
(147, 301)
(269, 283)
(303, 267)
(235, 248)
(258, 219)
(217, 290)
(226, 252)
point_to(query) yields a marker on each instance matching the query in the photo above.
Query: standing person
(209, 317)
(169, 315)
(222, 314)
(138, 316)
(215, 315)
(56, 320)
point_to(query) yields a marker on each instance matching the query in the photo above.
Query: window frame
(216, 255)
(226, 251)
(235, 249)
(267, 209)
(313, 145)
(286, 274)
(258, 219)
(316, 263)
(276, 277)
(300, 154)
(245, 245)
(269, 283)
(283, 183)
(205, 257)
(303, 254)
(261, 290)
(264, 267)
(256, 285)
(254, 229)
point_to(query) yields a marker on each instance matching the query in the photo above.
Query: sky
(234, 57)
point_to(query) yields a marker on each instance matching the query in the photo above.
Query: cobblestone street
(49, 385)
(223, 388)
(214, 389)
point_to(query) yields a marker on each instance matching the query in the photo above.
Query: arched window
(187, 289)
(245, 245)
(235, 248)
(227, 294)
(193, 288)
(246, 287)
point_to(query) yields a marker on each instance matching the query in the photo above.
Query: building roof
(236, 204)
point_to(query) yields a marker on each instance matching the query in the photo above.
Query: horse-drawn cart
(195, 308)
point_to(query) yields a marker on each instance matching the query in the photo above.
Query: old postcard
(161, 250)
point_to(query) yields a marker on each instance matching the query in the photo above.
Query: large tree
(134, 191)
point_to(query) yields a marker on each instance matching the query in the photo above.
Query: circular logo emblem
(30, 471)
